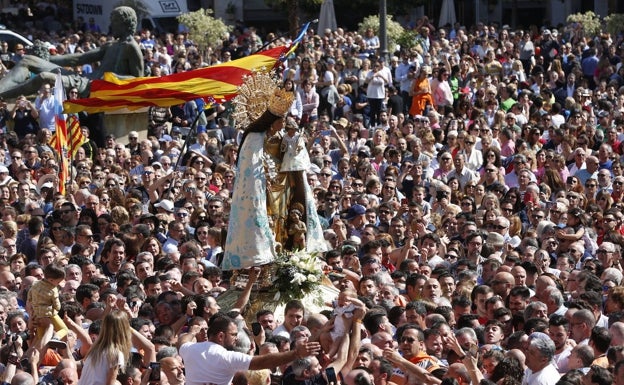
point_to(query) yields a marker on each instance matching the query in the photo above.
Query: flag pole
(71, 150)
(192, 132)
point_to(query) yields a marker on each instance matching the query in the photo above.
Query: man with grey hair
(501, 226)
(461, 172)
(579, 161)
(417, 154)
(539, 361)
(606, 254)
(73, 272)
(577, 251)
(605, 180)
(466, 337)
(299, 332)
(612, 274)
(590, 171)
(536, 309)
(553, 299)
(306, 369)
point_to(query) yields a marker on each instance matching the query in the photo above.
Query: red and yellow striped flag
(219, 82)
(76, 138)
(58, 141)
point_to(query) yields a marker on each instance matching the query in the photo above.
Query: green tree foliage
(407, 40)
(394, 29)
(205, 30)
(588, 20)
(614, 24)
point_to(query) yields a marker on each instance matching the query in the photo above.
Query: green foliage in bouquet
(615, 24)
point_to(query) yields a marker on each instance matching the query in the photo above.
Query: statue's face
(121, 24)
(278, 124)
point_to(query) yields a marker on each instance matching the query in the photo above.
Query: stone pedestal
(122, 121)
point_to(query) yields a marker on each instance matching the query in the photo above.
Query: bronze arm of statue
(122, 56)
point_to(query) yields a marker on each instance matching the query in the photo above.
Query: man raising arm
(214, 361)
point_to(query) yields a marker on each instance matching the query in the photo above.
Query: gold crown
(280, 103)
(260, 92)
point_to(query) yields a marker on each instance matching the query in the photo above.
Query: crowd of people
(469, 189)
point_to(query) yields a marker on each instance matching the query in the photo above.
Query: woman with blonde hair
(515, 226)
(489, 201)
(9, 230)
(517, 70)
(111, 351)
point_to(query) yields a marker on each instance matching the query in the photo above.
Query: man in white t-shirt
(539, 361)
(209, 357)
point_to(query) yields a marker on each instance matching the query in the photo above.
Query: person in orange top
(421, 92)
(410, 346)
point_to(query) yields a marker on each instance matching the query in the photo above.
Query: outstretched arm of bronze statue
(74, 59)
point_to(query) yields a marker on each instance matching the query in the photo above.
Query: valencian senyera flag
(76, 137)
(219, 82)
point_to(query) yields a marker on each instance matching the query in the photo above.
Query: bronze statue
(121, 56)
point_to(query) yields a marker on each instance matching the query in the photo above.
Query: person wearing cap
(550, 47)
(166, 207)
(356, 220)
(5, 178)
(604, 124)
